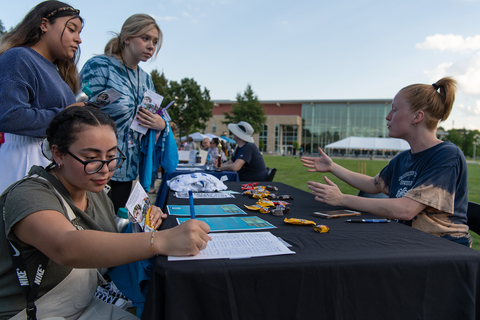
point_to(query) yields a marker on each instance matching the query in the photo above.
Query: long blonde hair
(436, 100)
(27, 33)
(134, 26)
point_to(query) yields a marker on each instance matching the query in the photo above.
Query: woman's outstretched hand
(328, 193)
(318, 164)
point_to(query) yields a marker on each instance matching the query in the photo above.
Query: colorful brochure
(233, 223)
(205, 210)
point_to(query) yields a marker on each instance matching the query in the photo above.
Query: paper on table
(239, 245)
(204, 195)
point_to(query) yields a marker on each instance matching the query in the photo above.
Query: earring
(42, 30)
(413, 122)
(59, 166)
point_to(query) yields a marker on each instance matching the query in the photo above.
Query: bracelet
(151, 243)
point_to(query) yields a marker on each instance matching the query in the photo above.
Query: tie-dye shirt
(436, 177)
(104, 73)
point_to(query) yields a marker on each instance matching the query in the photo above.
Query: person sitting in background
(427, 185)
(247, 159)
(191, 145)
(224, 151)
(214, 150)
(206, 144)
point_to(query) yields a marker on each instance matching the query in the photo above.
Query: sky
(301, 50)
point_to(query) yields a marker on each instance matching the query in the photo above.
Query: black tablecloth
(356, 271)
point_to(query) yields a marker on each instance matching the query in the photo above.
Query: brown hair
(134, 26)
(436, 100)
(27, 33)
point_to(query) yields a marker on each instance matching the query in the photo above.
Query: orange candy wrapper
(299, 221)
(321, 228)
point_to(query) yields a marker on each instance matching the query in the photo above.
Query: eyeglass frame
(85, 163)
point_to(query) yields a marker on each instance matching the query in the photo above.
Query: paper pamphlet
(233, 223)
(107, 96)
(151, 101)
(239, 245)
(204, 195)
(205, 210)
(138, 205)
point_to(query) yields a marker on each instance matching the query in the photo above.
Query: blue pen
(368, 220)
(190, 200)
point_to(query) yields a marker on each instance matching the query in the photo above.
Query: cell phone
(337, 214)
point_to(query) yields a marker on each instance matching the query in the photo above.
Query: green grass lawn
(291, 171)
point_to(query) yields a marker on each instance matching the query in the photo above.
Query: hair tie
(435, 86)
(46, 150)
(54, 12)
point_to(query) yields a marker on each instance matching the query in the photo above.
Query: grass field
(291, 171)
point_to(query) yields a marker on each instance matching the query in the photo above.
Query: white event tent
(363, 143)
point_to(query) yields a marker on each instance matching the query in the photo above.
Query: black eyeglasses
(93, 166)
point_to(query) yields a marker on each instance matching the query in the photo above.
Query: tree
(248, 109)
(463, 138)
(192, 107)
(2, 28)
(160, 83)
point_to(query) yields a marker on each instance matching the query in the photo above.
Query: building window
(277, 138)
(262, 145)
(214, 128)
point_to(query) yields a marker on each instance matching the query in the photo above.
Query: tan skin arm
(401, 208)
(356, 180)
(232, 166)
(50, 232)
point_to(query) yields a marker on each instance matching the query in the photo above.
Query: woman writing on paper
(81, 143)
(427, 185)
(38, 79)
(139, 40)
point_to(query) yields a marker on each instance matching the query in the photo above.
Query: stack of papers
(239, 245)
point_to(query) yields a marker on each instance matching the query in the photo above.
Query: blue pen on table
(190, 200)
(368, 220)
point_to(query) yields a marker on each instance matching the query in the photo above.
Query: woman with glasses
(82, 145)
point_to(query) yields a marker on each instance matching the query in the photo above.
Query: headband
(435, 86)
(54, 12)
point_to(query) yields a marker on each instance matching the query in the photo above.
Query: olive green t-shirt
(31, 196)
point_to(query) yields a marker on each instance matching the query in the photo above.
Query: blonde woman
(427, 185)
(139, 40)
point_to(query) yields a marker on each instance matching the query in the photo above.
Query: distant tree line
(192, 106)
(464, 139)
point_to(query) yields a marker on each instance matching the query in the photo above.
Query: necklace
(132, 86)
(86, 197)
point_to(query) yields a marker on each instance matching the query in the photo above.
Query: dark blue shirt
(254, 168)
(436, 177)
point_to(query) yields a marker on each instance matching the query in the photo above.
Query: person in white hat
(247, 159)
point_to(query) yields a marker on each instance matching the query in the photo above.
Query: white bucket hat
(243, 130)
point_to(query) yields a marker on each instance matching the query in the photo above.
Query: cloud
(466, 71)
(450, 42)
(470, 110)
(167, 18)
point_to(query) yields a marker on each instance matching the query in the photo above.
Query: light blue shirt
(104, 73)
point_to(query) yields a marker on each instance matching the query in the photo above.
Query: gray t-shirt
(32, 196)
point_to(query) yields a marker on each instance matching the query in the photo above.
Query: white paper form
(239, 245)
